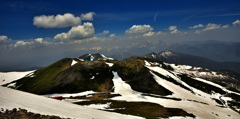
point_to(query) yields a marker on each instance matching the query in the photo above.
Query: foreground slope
(10, 99)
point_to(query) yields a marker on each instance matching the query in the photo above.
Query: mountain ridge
(186, 59)
(117, 84)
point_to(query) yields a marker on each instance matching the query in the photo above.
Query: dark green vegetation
(143, 109)
(43, 78)
(133, 71)
(24, 114)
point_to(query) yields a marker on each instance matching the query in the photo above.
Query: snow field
(10, 99)
(7, 77)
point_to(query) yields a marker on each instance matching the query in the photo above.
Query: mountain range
(185, 59)
(144, 87)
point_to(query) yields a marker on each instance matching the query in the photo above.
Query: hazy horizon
(37, 33)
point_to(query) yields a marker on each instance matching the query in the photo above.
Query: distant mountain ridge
(185, 59)
(96, 56)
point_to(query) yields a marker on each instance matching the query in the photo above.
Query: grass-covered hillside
(61, 77)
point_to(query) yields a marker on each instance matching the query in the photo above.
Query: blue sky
(116, 16)
(46, 30)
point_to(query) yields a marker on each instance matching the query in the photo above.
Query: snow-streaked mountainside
(185, 59)
(138, 86)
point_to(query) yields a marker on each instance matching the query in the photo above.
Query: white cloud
(173, 29)
(139, 29)
(104, 32)
(77, 33)
(160, 33)
(211, 26)
(196, 26)
(149, 34)
(113, 35)
(58, 21)
(237, 22)
(4, 39)
(22, 43)
(226, 26)
(30, 44)
(88, 16)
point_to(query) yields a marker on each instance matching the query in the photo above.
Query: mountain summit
(93, 57)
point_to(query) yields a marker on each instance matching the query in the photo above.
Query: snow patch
(69, 95)
(73, 62)
(147, 63)
(7, 77)
(99, 106)
(109, 64)
(92, 77)
(106, 58)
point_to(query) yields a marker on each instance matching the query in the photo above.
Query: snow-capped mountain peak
(167, 54)
(93, 57)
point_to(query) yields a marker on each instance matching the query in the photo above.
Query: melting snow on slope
(73, 62)
(121, 87)
(10, 99)
(196, 71)
(109, 64)
(106, 58)
(99, 106)
(69, 95)
(7, 77)
(205, 107)
(92, 77)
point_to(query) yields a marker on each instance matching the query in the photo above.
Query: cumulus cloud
(104, 32)
(58, 21)
(237, 22)
(113, 35)
(4, 39)
(196, 26)
(139, 29)
(160, 33)
(211, 26)
(79, 32)
(88, 16)
(31, 44)
(226, 26)
(173, 29)
(149, 34)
